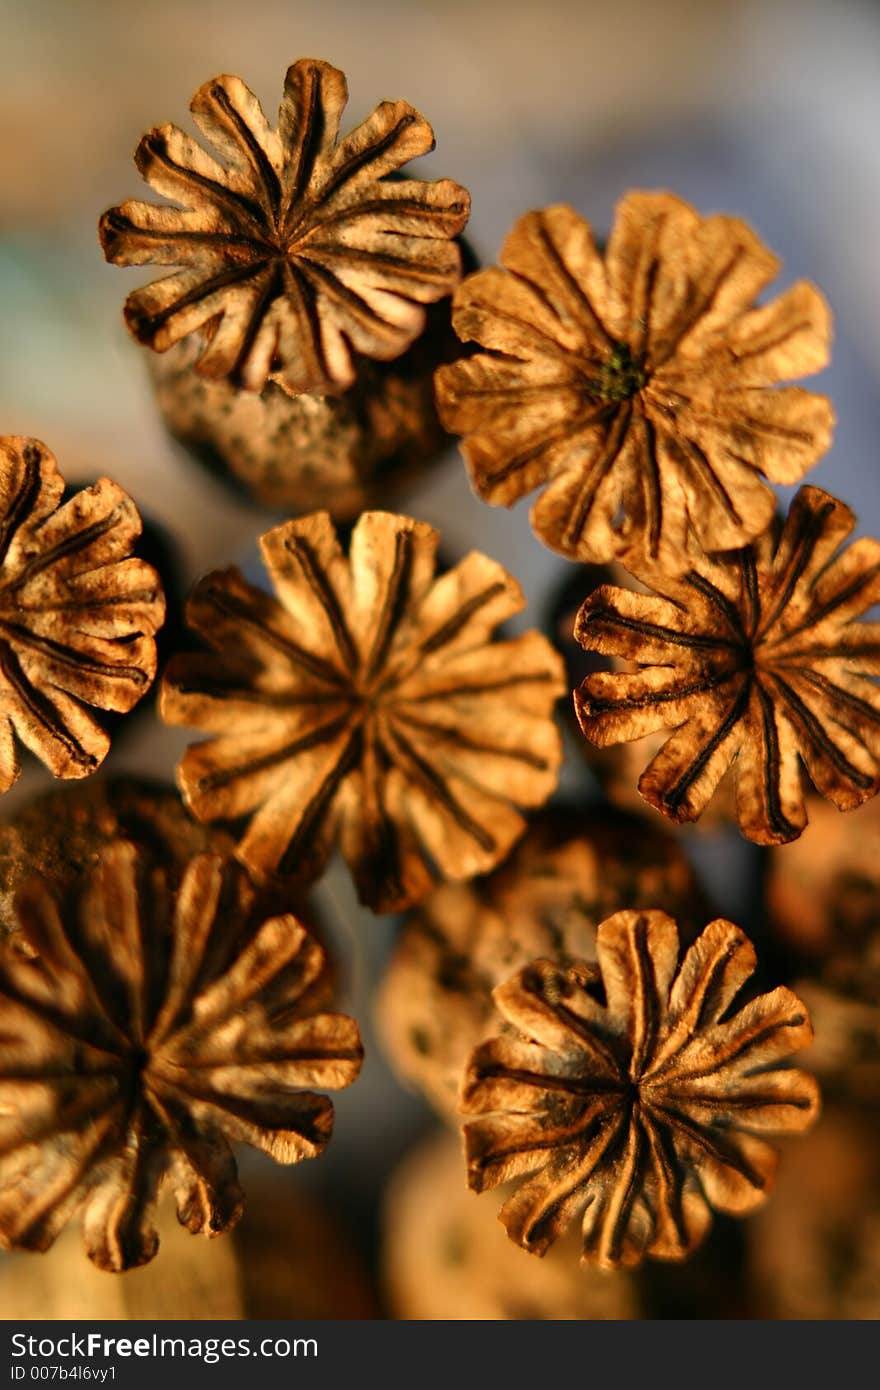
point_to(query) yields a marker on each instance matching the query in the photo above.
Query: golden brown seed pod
(632, 386)
(147, 1026)
(298, 252)
(569, 872)
(626, 1094)
(78, 613)
(446, 1257)
(366, 703)
(618, 769)
(756, 659)
(299, 322)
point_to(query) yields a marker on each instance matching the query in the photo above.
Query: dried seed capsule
(617, 766)
(627, 1094)
(632, 386)
(367, 703)
(757, 660)
(307, 274)
(147, 1027)
(78, 613)
(343, 452)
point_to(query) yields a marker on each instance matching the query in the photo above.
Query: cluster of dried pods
(152, 1015)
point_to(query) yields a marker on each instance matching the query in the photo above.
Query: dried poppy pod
(145, 1030)
(307, 272)
(756, 660)
(814, 1252)
(78, 613)
(366, 703)
(632, 386)
(445, 1256)
(568, 873)
(631, 1095)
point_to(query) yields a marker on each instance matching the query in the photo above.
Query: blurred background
(767, 109)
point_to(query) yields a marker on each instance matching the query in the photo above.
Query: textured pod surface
(445, 1256)
(145, 1031)
(344, 452)
(632, 386)
(627, 1093)
(59, 835)
(758, 660)
(298, 253)
(78, 613)
(567, 874)
(367, 703)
